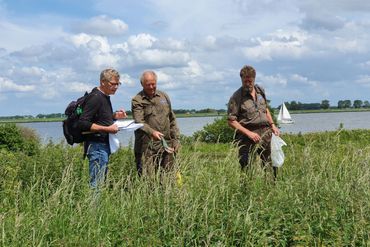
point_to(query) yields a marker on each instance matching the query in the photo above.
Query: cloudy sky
(51, 51)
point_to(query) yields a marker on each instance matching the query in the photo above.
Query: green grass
(31, 120)
(321, 198)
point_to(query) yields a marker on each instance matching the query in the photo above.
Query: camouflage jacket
(156, 114)
(249, 113)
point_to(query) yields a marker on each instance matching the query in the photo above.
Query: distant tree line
(17, 117)
(129, 113)
(293, 105)
(193, 111)
(325, 104)
(51, 115)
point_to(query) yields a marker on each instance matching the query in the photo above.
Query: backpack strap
(261, 91)
(88, 97)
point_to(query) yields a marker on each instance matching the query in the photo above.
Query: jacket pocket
(249, 110)
(148, 112)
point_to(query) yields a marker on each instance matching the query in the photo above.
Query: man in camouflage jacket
(249, 115)
(152, 108)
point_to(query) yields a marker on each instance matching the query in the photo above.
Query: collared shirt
(156, 114)
(249, 113)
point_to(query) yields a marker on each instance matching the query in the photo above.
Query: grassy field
(321, 198)
(31, 120)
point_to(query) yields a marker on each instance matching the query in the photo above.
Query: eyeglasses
(114, 84)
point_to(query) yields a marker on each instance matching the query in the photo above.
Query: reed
(321, 197)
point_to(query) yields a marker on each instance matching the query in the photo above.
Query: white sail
(284, 116)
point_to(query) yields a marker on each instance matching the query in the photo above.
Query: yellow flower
(179, 179)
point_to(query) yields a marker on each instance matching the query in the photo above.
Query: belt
(257, 126)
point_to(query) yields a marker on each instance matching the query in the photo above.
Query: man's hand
(112, 129)
(275, 130)
(176, 145)
(119, 114)
(156, 135)
(254, 137)
(251, 135)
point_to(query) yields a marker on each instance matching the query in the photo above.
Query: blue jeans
(98, 155)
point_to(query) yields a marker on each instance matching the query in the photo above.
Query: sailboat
(284, 116)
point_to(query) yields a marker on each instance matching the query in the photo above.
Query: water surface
(303, 123)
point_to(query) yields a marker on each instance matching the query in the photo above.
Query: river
(53, 131)
(303, 123)
(318, 122)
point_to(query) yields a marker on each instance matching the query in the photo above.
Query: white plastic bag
(277, 154)
(113, 143)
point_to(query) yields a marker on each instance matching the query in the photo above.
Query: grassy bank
(322, 197)
(31, 120)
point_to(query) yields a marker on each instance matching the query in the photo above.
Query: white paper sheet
(127, 125)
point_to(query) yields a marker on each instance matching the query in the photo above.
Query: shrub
(218, 131)
(9, 171)
(18, 139)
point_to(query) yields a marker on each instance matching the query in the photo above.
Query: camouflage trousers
(154, 159)
(247, 148)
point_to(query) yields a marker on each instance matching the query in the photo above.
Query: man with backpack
(248, 113)
(158, 140)
(97, 121)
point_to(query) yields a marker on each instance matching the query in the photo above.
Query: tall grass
(321, 197)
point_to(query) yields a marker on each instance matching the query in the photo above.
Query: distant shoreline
(184, 115)
(41, 120)
(325, 111)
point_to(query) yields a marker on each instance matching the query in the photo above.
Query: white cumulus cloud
(92, 42)
(280, 44)
(101, 25)
(141, 41)
(77, 87)
(364, 80)
(273, 79)
(100, 53)
(6, 85)
(49, 93)
(157, 58)
(127, 80)
(302, 79)
(193, 69)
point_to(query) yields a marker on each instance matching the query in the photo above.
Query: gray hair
(109, 74)
(147, 72)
